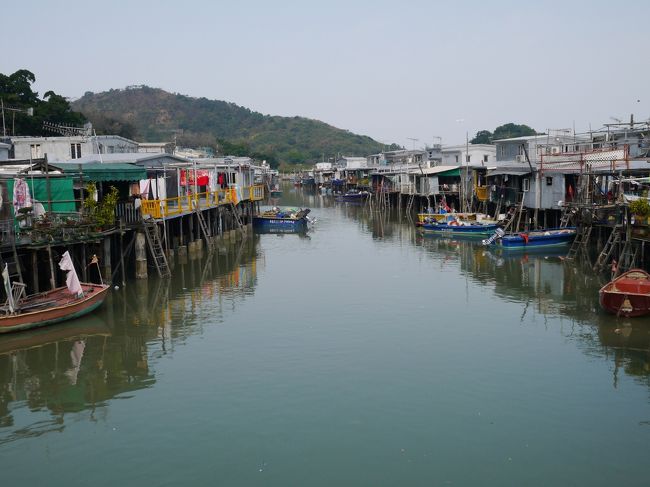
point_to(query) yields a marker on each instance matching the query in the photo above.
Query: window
(456, 159)
(485, 157)
(525, 185)
(467, 158)
(502, 151)
(549, 181)
(75, 151)
(35, 150)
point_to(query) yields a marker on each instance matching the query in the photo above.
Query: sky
(392, 70)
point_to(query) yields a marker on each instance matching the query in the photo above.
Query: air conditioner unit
(520, 158)
(555, 150)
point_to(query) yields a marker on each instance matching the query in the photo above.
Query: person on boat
(614, 269)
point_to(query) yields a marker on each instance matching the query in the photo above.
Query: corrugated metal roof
(106, 172)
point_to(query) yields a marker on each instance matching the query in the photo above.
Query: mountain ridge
(154, 114)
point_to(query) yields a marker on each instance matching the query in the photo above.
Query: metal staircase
(156, 249)
(510, 226)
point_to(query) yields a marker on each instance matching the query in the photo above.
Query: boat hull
(548, 238)
(628, 295)
(279, 224)
(66, 308)
(460, 230)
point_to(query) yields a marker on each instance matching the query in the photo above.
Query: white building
(4, 151)
(472, 155)
(61, 149)
(352, 162)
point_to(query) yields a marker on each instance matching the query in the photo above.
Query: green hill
(152, 114)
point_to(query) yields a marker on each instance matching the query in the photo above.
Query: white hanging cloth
(71, 280)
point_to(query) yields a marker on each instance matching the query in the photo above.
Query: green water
(360, 354)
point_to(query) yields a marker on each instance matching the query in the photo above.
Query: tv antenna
(29, 111)
(68, 130)
(413, 140)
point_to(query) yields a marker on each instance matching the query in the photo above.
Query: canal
(360, 354)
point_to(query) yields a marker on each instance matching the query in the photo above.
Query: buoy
(116, 287)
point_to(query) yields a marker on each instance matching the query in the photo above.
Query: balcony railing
(161, 208)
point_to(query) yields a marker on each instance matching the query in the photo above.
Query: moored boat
(454, 226)
(628, 295)
(538, 238)
(282, 220)
(353, 195)
(43, 309)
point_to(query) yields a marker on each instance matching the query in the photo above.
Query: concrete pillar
(182, 251)
(140, 256)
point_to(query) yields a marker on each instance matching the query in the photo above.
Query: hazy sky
(392, 70)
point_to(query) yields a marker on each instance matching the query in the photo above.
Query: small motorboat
(628, 295)
(455, 226)
(353, 195)
(538, 238)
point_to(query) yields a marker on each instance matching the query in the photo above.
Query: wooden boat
(456, 227)
(51, 307)
(539, 238)
(628, 295)
(281, 220)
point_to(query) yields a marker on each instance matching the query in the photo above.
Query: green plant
(101, 213)
(640, 207)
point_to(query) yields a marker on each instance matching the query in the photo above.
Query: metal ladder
(627, 258)
(10, 258)
(235, 213)
(579, 242)
(567, 215)
(613, 240)
(204, 228)
(516, 215)
(155, 247)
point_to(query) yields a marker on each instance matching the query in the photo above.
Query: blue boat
(353, 195)
(459, 228)
(279, 220)
(550, 237)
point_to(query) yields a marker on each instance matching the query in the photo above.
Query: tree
(510, 130)
(482, 137)
(506, 131)
(16, 92)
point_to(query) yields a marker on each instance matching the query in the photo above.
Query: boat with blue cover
(283, 220)
(550, 237)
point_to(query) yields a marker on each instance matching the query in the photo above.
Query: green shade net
(60, 191)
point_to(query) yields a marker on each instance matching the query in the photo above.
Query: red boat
(52, 307)
(628, 295)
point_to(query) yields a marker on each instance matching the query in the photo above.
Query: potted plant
(640, 209)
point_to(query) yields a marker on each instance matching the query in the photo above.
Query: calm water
(362, 354)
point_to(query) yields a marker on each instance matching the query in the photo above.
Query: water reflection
(51, 376)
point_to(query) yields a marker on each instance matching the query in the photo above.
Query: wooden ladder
(579, 242)
(613, 240)
(155, 247)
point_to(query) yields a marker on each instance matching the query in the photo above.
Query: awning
(451, 172)
(509, 172)
(105, 172)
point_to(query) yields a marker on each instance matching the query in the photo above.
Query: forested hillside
(152, 114)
